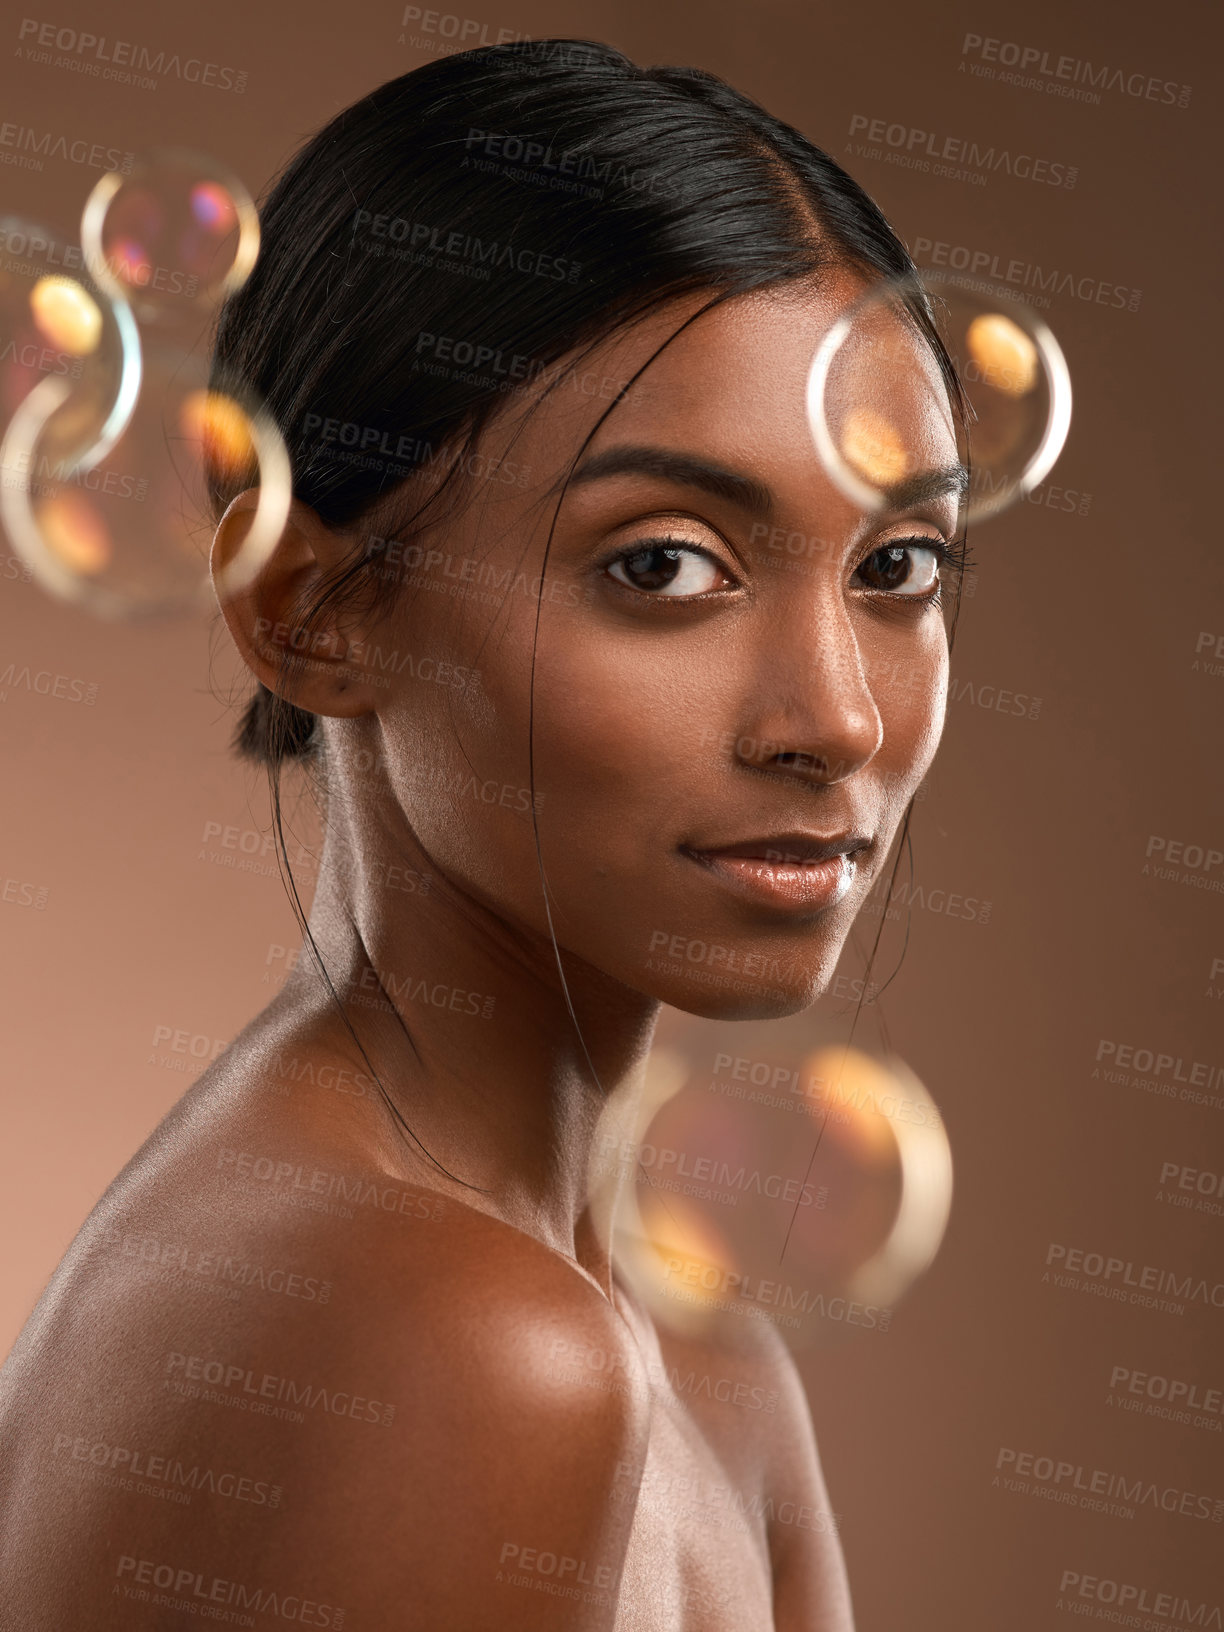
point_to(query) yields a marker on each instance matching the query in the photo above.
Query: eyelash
(641, 546)
(954, 554)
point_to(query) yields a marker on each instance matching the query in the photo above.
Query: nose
(811, 712)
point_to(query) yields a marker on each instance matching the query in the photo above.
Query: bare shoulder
(270, 1375)
(744, 1389)
(811, 1588)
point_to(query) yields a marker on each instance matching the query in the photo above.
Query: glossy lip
(791, 870)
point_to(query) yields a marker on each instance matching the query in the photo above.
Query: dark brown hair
(641, 183)
(588, 191)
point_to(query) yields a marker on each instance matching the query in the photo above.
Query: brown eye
(666, 569)
(909, 567)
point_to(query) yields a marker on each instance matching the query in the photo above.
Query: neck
(500, 1055)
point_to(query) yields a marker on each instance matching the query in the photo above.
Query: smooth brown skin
(533, 1408)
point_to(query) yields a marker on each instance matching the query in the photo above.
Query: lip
(791, 870)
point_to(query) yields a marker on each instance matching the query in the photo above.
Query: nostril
(803, 762)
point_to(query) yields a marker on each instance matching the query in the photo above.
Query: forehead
(730, 383)
(732, 379)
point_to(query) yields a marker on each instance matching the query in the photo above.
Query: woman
(535, 324)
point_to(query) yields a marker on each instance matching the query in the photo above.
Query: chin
(731, 979)
(767, 1002)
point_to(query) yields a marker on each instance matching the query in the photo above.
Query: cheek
(459, 753)
(910, 683)
(615, 717)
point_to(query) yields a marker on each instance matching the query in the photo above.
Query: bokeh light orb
(173, 236)
(767, 1171)
(888, 422)
(130, 534)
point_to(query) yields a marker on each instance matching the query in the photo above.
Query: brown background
(1097, 614)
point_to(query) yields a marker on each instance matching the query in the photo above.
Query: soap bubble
(173, 237)
(112, 447)
(767, 1171)
(882, 415)
(62, 336)
(129, 534)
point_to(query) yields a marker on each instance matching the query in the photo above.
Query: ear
(313, 666)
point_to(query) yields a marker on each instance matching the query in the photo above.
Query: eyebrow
(684, 468)
(745, 491)
(930, 484)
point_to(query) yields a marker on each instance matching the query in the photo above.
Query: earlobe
(300, 653)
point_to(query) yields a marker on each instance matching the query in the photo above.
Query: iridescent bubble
(62, 338)
(173, 237)
(130, 534)
(886, 419)
(765, 1171)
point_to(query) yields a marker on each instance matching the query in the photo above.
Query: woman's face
(728, 655)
